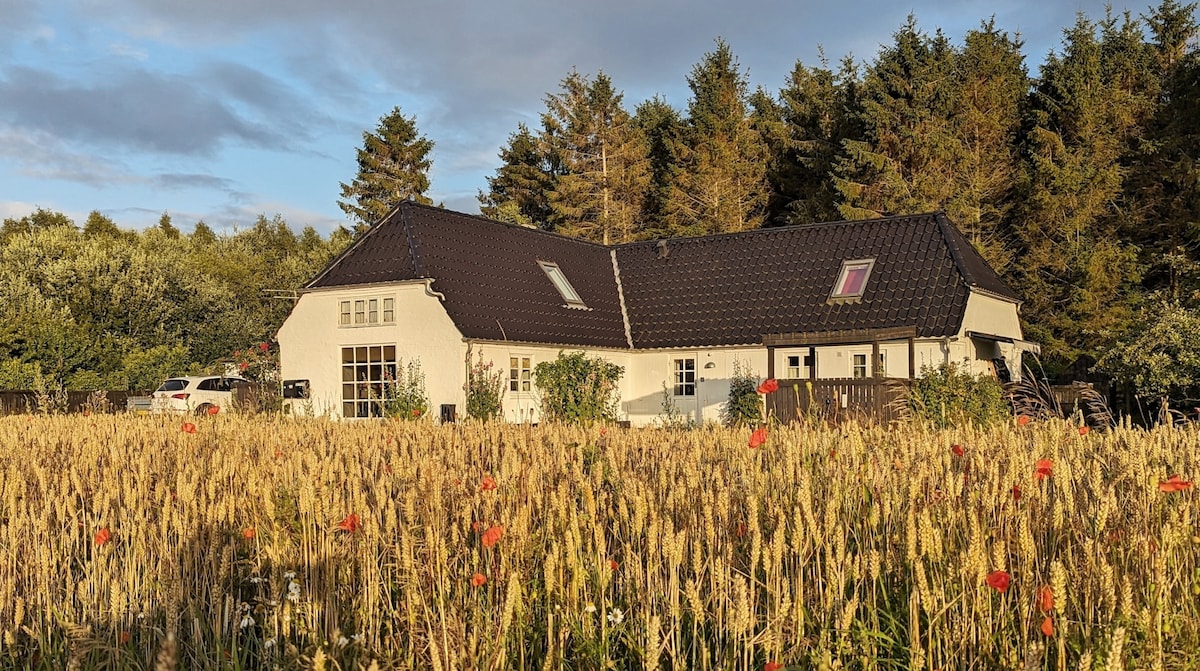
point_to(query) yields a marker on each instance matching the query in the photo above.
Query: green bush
(947, 395)
(577, 389)
(744, 407)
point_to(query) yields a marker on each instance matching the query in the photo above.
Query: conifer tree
(720, 183)
(819, 109)
(601, 190)
(519, 193)
(661, 125)
(393, 166)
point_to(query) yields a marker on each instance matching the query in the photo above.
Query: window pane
(525, 362)
(360, 354)
(373, 311)
(855, 276)
(347, 355)
(376, 354)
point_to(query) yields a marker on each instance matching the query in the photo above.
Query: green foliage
(519, 193)
(145, 369)
(1160, 358)
(19, 375)
(744, 407)
(484, 388)
(405, 396)
(393, 166)
(948, 395)
(577, 389)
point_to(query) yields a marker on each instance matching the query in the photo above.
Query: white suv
(196, 394)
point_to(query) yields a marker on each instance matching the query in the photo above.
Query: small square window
(860, 366)
(852, 280)
(520, 374)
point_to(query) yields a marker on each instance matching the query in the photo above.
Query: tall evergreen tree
(720, 184)
(1074, 269)
(393, 166)
(601, 189)
(819, 110)
(910, 154)
(662, 126)
(519, 192)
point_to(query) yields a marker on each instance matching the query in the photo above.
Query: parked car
(182, 395)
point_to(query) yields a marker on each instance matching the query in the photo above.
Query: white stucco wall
(992, 316)
(311, 342)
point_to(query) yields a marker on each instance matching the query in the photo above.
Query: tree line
(101, 307)
(1078, 184)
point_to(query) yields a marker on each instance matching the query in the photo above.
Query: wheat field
(257, 543)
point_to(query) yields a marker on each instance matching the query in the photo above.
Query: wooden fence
(876, 399)
(20, 402)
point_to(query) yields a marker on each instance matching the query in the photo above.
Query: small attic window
(560, 282)
(852, 281)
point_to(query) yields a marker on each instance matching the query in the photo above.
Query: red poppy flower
(278, 453)
(1016, 492)
(349, 524)
(214, 409)
(613, 564)
(124, 638)
(416, 413)
(1023, 420)
(188, 427)
(1083, 430)
(248, 533)
(957, 450)
(758, 437)
(478, 580)
(262, 347)
(603, 431)
(1174, 484)
(492, 536)
(1048, 626)
(1044, 469)
(768, 386)
(999, 581)
(1045, 597)
(102, 536)
(476, 526)
(488, 484)
(772, 666)
(87, 413)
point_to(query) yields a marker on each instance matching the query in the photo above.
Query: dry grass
(858, 547)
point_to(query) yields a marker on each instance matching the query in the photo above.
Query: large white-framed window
(367, 370)
(367, 311)
(520, 374)
(684, 376)
(799, 366)
(852, 280)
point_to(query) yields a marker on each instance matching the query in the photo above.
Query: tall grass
(856, 547)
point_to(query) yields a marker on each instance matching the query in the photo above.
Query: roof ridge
(508, 224)
(780, 229)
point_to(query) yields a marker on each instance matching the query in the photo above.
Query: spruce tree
(720, 183)
(519, 193)
(393, 166)
(661, 125)
(601, 190)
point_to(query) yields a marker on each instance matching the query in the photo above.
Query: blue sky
(227, 109)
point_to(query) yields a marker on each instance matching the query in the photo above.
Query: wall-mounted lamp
(710, 364)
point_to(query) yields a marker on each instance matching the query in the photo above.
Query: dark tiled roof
(734, 289)
(717, 290)
(489, 274)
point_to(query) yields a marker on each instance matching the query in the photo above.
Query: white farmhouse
(844, 300)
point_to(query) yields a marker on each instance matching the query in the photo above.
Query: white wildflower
(247, 621)
(589, 608)
(615, 616)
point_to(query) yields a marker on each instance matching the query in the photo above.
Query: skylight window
(852, 281)
(560, 282)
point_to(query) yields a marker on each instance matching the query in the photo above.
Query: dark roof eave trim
(840, 337)
(992, 294)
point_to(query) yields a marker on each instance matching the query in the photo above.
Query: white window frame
(839, 292)
(520, 374)
(803, 368)
(560, 282)
(365, 376)
(365, 311)
(855, 368)
(683, 378)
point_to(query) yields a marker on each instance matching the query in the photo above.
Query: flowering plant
(484, 387)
